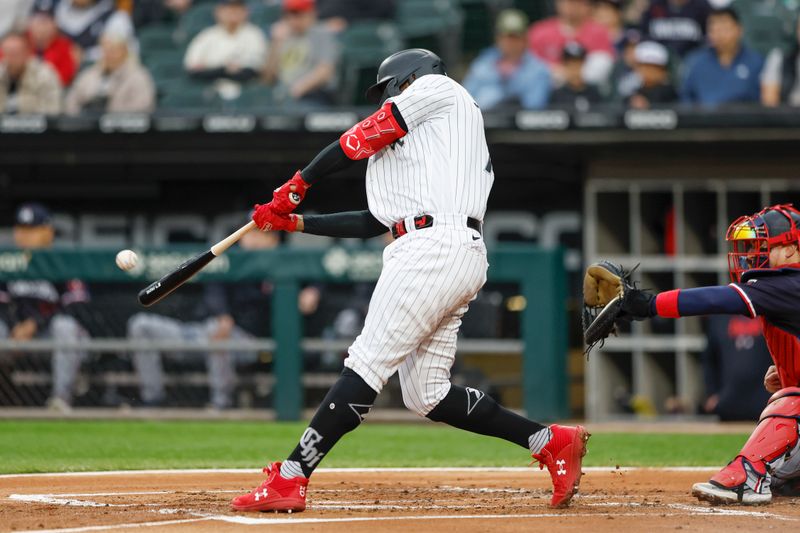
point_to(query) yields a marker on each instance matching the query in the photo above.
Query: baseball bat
(158, 290)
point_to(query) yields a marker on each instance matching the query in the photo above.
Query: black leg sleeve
(476, 411)
(342, 410)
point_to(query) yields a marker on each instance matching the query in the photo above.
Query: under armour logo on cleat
(562, 467)
(259, 495)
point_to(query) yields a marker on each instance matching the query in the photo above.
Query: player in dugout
(764, 264)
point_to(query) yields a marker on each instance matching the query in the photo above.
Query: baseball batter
(428, 180)
(765, 269)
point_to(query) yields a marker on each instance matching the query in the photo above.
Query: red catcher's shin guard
(775, 436)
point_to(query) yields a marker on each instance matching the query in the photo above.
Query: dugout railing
(539, 274)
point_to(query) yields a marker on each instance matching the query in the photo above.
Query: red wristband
(667, 304)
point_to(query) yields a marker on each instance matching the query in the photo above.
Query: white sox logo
(308, 443)
(259, 495)
(562, 467)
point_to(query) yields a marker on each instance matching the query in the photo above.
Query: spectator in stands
(27, 85)
(725, 72)
(608, 13)
(573, 23)
(14, 16)
(338, 14)
(116, 83)
(734, 363)
(303, 55)
(624, 81)
(651, 68)
(49, 44)
(576, 92)
(507, 74)
(84, 21)
(677, 24)
(37, 309)
(779, 80)
(156, 11)
(233, 48)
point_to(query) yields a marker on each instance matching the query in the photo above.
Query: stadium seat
(154, 39)
(198, 18)
(184, 93)
(767, 24)
(255, 96)
(478, 18)
(364, 46)
(432, 24)
(263, 13)
(165, 66)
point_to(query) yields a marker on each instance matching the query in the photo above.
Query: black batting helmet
(398, 69)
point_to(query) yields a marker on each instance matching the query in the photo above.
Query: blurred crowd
(76, 56)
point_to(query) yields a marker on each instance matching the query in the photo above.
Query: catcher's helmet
(752, 237)
(399, 68)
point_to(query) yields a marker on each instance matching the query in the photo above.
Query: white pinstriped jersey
(442, 165)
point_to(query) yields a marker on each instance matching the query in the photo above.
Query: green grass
(55, 446)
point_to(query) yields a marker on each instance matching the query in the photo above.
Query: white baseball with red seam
(127, 259)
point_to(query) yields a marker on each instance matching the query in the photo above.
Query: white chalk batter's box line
(69, 499)
(466, 469)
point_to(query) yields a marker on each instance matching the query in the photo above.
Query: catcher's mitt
(609, 296)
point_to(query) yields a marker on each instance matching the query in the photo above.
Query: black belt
(426, 221)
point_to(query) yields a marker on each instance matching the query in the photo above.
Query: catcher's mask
(752, 237)
(403, 67)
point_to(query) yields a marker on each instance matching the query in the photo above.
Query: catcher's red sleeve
(667, 304)
(371, 134)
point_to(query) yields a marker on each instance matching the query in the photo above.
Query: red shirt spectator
(572, 23)
(49, 44)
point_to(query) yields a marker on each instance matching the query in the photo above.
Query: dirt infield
(501, 500)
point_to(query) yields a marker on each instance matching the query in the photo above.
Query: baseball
(127, 259)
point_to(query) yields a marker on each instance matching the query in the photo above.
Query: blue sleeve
(538, 89)
(692, 65)
(772, 296)
(719, 300)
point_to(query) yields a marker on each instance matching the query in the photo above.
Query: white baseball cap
(651, 53)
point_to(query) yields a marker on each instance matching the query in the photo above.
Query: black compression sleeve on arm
(349, 224)
(331, 159)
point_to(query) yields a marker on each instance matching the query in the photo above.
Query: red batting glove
(268, 220)
(288, 196)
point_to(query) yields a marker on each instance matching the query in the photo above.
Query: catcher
(764, 264)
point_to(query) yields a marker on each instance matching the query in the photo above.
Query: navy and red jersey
(773, 295)
(40, 300)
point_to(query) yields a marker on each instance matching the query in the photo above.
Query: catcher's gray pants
(66, 362)
(147, 363)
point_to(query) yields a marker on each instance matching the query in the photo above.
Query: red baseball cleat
(562, 456)
(275, 494)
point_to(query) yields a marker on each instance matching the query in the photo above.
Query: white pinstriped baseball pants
(429, 277)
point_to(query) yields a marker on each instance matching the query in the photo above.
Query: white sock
(536, 442)
(290, 469)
